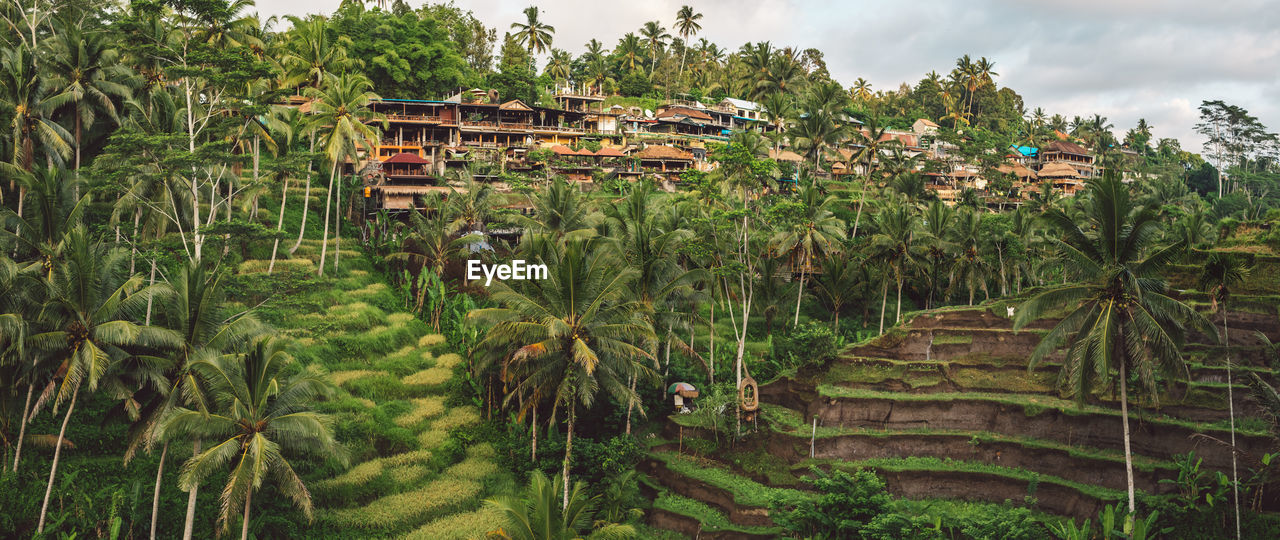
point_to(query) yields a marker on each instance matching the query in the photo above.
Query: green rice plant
(467, 525)
(482, 450)
(457, 417)
(408, 475)
(473, 468)
(431, 340)
(407, 458)
(405, 361)
(448, 361)
(257, 266)
(428, 377)
(432, 438)
(342, 377)
(402, 510)
(378, 387)
(360, 474)
(423, 408)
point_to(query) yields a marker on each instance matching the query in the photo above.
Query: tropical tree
(1118, 315)
(815, 231)
(894, 246)
(533, 34)
(687, 25)
(969, 268)
(88, 316)
(259, 412)
(534, 515)
(32, 102)
(86, 70)
(1222, 272)
(629, 50)
(312, 52)
(341, 106)
(573, 334)
(656, 37)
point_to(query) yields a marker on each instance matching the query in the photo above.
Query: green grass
(918, 463)
(712, 520)
(745, 491)
(1032, 404)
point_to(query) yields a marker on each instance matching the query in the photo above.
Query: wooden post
(681, 447)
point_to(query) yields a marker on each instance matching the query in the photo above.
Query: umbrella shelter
(684, 389)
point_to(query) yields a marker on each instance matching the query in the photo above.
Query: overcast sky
(1124, 59)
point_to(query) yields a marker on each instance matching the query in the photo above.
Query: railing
(414, 117)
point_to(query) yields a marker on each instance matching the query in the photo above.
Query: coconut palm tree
(840, 284)
(290, 125)
(559, 66)
(259, 413)
(52, 209)
(19, 306)
(1118, 316)
(30, 97)
(938, 220)
(969, 267)
(894, 246)
(341, 108)
(576, 333)
(85, 68)
(874, 135)
(88, 316)
(193, 305)
(860, 91)
(687, 25)
(533, 34)
(311, 53)
(816, 231)
(656, 37)
(534, 515)
(629, 49)
(1222, 272)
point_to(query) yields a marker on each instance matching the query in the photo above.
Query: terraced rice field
(408, 478)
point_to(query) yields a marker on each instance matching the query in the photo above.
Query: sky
(1123, 59)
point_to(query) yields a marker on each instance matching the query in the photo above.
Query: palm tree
(25, 92)
(875, 138)
(86, 70)
(560, 65)
(311, 54)
(91, 301)
(193, 304)
(842, 280)
(533, 34)
(341, 107)
(815, 231)
(938, 219)
(290, 124)
(259, 413)
(1222, 272)
(535, 516)
(18, 307)
(431, 243)
(656, 36)
(687, 25)
(894, 246)
(574, 333)
(969, 268)
(52, 209)
(629, 50)
(860, 91)
(1115, 300)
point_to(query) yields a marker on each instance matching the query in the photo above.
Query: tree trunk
(533, 452)
(306, 201)
(800, 294)
(898, 311)
(1128, 452)
(22, 431)
(189, 525)
(284, 195)
(328, 202)
(1231, 413)
(884, 301)
(337, 228)
(568, 448)
(147, 319)
(57, 454)
(631, 403)
(244, 527)
(155, 499)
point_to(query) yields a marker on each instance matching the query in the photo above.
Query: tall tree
(1221, 273)
(86, 69)
(687, 25)
(1118, 315)
(577, 332)
(656, 37)
(533, 34)
(260, 412)
(816, 231)
(342, 107)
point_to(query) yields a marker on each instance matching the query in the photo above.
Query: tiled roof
(664, 152)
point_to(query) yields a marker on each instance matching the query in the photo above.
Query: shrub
(808, 344)
(846, 503)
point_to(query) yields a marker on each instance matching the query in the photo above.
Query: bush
(811, 343)
(846, 504)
